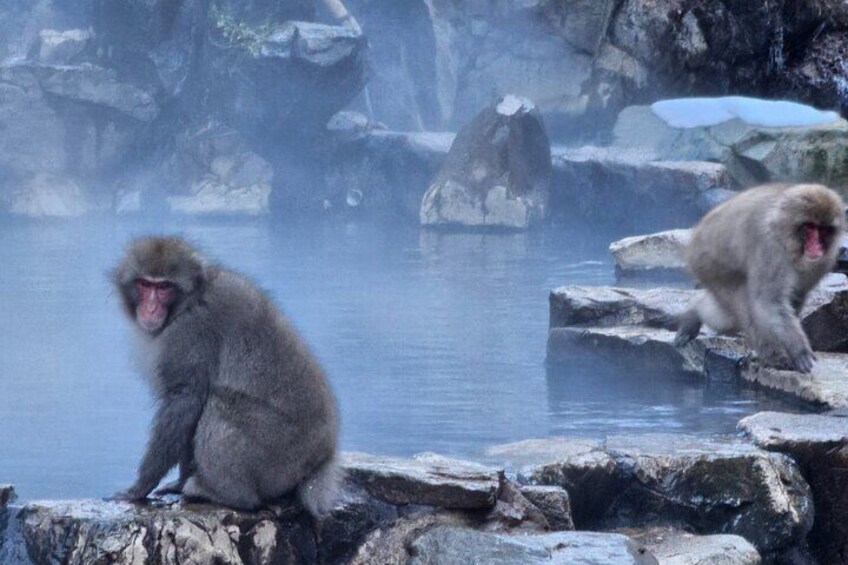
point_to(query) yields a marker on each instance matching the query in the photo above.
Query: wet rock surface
(819, 443)
(668, 191)
(708, 485)
(497, 173)
(457, 545)
(675, 547)
(427, 479)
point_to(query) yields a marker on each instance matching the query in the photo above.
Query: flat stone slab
(780, 431)
(674, 547)
(825, 386)
(426, 479)
(450, 545)
(656, 251)
(608, 306)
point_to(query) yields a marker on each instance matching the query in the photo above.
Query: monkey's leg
(688, 327)
(233, 491)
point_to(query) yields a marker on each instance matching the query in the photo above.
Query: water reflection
(433, 341)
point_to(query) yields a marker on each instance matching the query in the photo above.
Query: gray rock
(293, 76)
(513, 512)
(485, 52)
(553, 502)
(632, 187)
(497, 174)
(583, 23)
(714, 485)
(663, 250)
(820, 445)
(391, 170)
(426, 479)
(391, 544)
(46, 195)
(82, 532)
(751, 153)
(674, 547)
(55, 47)
(583, 468)
(824, 316)
(825, 386)
(450, 545)
(67, 130)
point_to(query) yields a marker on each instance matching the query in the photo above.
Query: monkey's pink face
(155, 299)
(817, 240)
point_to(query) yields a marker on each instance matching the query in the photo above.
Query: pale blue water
(433, 342)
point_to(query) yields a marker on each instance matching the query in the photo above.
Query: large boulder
(497, 174)
(820, 446)
(284, 79)
(745, 135)
(674, 547)
(540, 50)
(67, 130)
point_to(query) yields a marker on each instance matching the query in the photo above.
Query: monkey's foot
(174, 487)
(684, 336)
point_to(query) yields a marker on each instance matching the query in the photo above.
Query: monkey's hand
(803, 361)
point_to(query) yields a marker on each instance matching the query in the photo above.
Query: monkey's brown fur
(748, 253)
(243, 406)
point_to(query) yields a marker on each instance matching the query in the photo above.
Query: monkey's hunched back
(245, 409)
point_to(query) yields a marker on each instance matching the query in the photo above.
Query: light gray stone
(7, 494)
(47, 196)
(553, 502)
(449, 545)
(612, 306)
(54, 47)
(662, 250)
(427, 479)
(825, 386)
(675, 547)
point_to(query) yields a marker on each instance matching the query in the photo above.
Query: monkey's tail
(320, 492)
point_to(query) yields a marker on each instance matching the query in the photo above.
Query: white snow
(700, 112)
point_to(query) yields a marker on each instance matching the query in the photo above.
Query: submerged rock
(497, 174)
(657, 251)
(820, 446)
(633, 187)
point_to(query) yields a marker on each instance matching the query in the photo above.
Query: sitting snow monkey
(757, 257)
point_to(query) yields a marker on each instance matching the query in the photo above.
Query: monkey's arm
(170, 441)
(776, 327)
